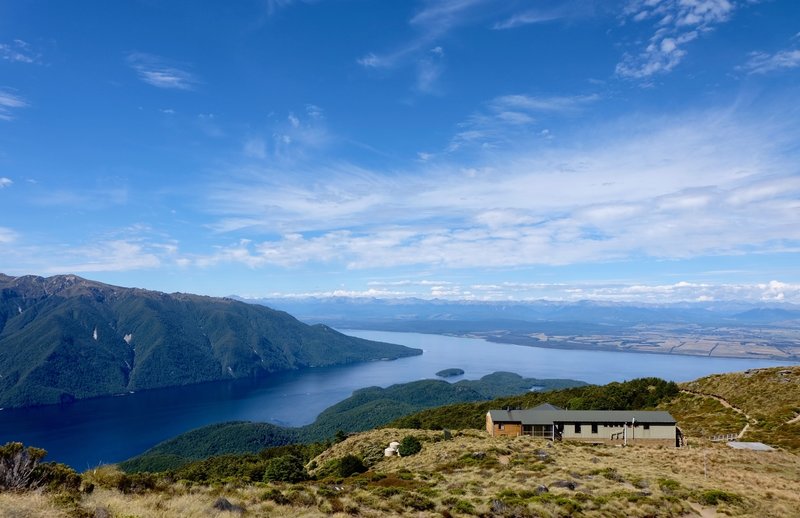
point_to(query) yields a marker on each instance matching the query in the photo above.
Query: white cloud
(86, 199)
(526, 18)
(18, 51)
(158, 72)
(8, 103)
(609, 292)
(7, 236)
(5, 182)
(431, 23)
(371, 61)
(255, 147)
(542, 104)
(107, 256)
(505, 116)
(675, 24)
(763, 63)
(672, 188)
(429, 69)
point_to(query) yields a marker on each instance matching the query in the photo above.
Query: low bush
(351, 465)
(21, 469)
(718, 496)
(18, 466)
(410, 445)
(287, 468)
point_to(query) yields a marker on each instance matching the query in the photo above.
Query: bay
(86, 433)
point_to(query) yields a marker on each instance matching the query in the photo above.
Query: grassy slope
(473, 474)
(770, 396)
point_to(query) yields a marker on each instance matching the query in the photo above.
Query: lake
(110, 429)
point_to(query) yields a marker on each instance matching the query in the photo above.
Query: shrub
(464, 507)
(56, 477)
(18, 466)
(717, 496)
(409, 446)
(418, 502)
(287, 468)
(350, 465)
(668, 484)
(275, 496)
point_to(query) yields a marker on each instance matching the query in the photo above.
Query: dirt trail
(726, 404)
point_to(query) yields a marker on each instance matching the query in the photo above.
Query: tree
(350, 465)
(287, 468)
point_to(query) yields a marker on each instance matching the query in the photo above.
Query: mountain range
(65, 337)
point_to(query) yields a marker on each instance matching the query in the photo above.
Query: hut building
(595, 426)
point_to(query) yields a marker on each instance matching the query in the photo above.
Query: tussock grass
(25, 505)
(770, 396)
(472, 474)
(476, 475)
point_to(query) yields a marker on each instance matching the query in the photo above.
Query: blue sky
(642, 150)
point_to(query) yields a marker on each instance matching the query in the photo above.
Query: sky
(636, 150)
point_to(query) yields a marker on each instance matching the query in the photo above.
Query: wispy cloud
(19, 51)
(526, 18)
(273, 6)
(503, 117)
(429, 69)
(547, 11)
(109, 256)
(431, 23)
(684, 291)
(764, 63)
(5, 182)
(290, 138)
(676, 23)
(8, 103)
(681, 187)
(7, 236)
(157, 71)
(85, 199)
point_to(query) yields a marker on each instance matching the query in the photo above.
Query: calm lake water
(104, 430)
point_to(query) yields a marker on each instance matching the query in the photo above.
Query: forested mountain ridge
(65, 337)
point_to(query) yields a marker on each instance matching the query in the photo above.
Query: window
(577, 428)
(594, 428)
(646, 426)
(501, 426)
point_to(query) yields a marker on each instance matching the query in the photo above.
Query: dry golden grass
(27, 505)
(474, 474)
(770, 396)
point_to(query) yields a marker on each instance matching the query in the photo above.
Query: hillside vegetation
(469, 474)
(458, 472)
(64, 338)
(770, 398)
(365, 409)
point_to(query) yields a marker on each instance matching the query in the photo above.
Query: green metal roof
(541, 416)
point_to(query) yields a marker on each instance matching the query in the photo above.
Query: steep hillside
(64, 338)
